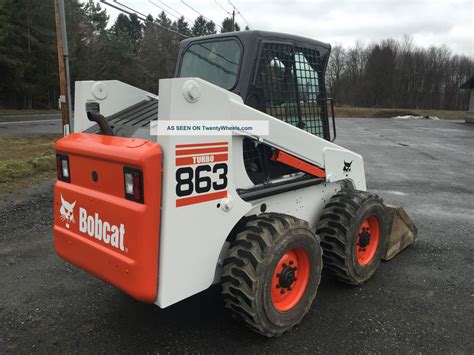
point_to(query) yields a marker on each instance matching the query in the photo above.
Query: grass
(370, 112)
(25, 161)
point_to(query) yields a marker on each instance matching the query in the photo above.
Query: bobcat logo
(67, 211)
(347, 166)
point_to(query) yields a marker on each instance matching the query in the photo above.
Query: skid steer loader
(165, 216)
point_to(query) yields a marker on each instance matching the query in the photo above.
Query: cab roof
(249, 37)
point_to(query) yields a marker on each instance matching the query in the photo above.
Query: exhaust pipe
(101, 121)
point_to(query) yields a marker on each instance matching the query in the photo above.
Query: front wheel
(353, 232)
(272, 272)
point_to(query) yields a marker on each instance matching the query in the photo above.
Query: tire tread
(333, 226)
(240, 274)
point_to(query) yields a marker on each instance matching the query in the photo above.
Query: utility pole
(63, 62)
(233, 19)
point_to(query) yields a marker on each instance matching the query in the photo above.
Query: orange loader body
(110, 237)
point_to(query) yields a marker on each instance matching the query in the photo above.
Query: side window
(217, 62)
(289, 79)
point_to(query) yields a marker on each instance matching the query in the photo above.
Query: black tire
(249, 269)
(339, 228)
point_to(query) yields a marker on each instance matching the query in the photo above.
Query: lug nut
(284, 265)
(278, 286)
(291, 262)
(282, 291)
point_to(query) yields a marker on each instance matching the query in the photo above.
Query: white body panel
(216, 103)
(193, 236)
(306, 203)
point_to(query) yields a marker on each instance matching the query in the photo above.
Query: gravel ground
(422, 301)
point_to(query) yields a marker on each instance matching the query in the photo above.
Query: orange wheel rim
(368, 240)
(290, 279)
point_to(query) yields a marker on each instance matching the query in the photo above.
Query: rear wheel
(272, 272)
(353, 235)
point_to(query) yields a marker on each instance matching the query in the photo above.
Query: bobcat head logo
(67, 211)
(347, 166)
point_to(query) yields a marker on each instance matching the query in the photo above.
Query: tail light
(62, 165)
(133, 179)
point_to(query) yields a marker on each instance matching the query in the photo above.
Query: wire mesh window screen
(289, 77)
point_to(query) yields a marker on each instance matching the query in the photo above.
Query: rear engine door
(107, 209)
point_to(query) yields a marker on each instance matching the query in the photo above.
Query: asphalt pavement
(28, 124)
(421, 301)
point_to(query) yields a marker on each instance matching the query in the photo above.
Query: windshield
(217, 62)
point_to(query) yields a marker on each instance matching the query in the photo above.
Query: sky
(427, 22)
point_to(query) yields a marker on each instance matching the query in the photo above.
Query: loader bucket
(402, 231)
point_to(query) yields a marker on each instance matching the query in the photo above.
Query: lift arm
(215, 103)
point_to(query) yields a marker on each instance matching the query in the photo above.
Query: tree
(183, 27)
(129, 26)
(164, 20)
(121, 25)
(95, 16)
(335, 70)
(386, 73)
(398, 74)
(210, 28)
(87, 35)
(148, 53)
(11, 67)
(229, 25)
(379, 74)
(135, 30)
(168, 44)
(202, 27)
(122, 61)
(27, 60)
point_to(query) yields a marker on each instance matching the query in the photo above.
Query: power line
(196, 11)
(176, 11)
(145, 16)
(232, 14)
(170, 11)
(141, 17)
(158, 6)
(223, 8)
(136, 12)
(238, 12)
